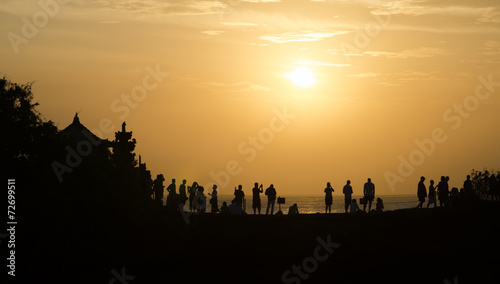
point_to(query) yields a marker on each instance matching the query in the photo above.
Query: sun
(302, 77)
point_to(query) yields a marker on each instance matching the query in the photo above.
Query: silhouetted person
(239, 196)
(192, 193)
(147, 183)
(158, 189)
(293, 210)
(442, 191)
(224, 209)
(328, 198)
(454, 196)
(271, 198)
(234, 208)
(182, 193)
(213, 200)
(200, 201)
(354, 207)
(447, 185)
(421, 192)
(172, 195)
(432, 194)
(379, 207)
(347, 195)
(257, 190)
(468, 190)
(462, 194)
(369, 194)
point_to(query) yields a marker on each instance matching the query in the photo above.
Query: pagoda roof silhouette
(75, 132)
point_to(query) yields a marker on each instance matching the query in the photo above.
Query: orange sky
(400, 89)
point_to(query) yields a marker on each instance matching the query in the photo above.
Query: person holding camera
(257, 190)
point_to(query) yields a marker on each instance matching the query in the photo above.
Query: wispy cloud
(300, 36)
(239, 24)
(243, 86)
(482, 13)
(491, 47)
(157, 7)
(423, 52)
(213, 33)
(261, 1)
(318, 63)
(364, 75)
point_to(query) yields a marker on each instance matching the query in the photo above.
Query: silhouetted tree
(27, 136)
(481, 184)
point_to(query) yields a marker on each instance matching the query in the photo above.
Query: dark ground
(404, 246)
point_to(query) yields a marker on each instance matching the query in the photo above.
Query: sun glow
(302, 77)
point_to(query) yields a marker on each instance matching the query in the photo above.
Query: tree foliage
(27, 135)
(485, 183)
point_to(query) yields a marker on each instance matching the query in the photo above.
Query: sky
(291, 93)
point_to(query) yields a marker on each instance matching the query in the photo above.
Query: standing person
(271, 198)
(347, 194)
(192, 193)
(172, 195)
(328, 198)
(158, 189)
(468, 192)
(182, 193)
(213, 200)
(200, 201)
(257, 190)
(369, 194)
(432, 194)
(421, 192)
(442, 191)
(239, 195)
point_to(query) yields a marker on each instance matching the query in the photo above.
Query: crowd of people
(447, 197)
(197, 200)
(350, 204)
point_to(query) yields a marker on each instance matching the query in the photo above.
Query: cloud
(491, 15)
(213, 33)
(261, 1)
(482, 14)
(157, 7)
(300, 36)
(239, 87)
(239, 24)
(491, 47)
(364, 75)
(423, 52)
(317, 63)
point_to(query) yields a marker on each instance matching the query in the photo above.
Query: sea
(316, 204)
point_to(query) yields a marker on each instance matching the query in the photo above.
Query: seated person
(235, 209)
(380, 205)
(224, 209)
(354, 207)
(293, 210)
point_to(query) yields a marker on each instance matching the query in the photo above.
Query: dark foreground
(443, 245)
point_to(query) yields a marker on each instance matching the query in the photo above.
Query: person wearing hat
(421, 192)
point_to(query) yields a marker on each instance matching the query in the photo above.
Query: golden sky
(294, 93)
